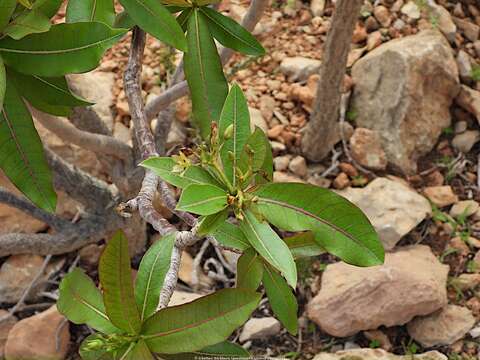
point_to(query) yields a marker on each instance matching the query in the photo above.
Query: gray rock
(466, 140)
(412, 282)
(377, 354)
(299, 68)
(404, 89)
(443, 327)
(444, 21)
(260, 328)
(392, 207)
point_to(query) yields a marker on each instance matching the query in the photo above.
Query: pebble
(280, 163)
(464, 208)
(382, 14)
(298, 166)
(260, 328)
(441, 196)
(341, 181)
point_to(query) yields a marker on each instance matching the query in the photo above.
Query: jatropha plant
(226, 180)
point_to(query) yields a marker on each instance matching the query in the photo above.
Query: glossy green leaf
(31, 22)
(64, 49)
(249, 270)
(265, 173)
(163, 167)
(231, 236)
(90, 10)
(224, 350)
(183, 17)
(304, 245)
(205, 2)
(235, 125)
(231, 34)
(81, 302)
(203, 322)
(3, 82)
(155, 19)
(204, 73)
(51, 95)
(254, 152)
(123, 20)
(282, 300)
(116, 279)
(7, 7)
(269, 245)
(151, 274)
(176, 3)
(21, 152)
(210, 223)
(139, 351)
(339, 226)
(203, 199)
(47, 7)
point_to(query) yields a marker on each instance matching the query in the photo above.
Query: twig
(27, 291)
(334, 163)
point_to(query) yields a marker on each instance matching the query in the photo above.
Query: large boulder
(404, 89)
(377, 354)
(412, 282)
(391, 206)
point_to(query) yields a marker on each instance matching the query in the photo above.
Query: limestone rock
(280, 163)
(260, 328)
(317, 7)
(299, 68)
(412, 282)
(441, 196)
(443, 327)
(392, 207)
(466, 140)
(298, 166)
(411, 10)
(444, 21)
(466, 208)
(367, 149)
(257, 119)
(36, 337)
(404, 89)
(469, 100)
(377, 354)
(16, 274)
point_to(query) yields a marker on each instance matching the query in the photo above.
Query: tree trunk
(322, 131)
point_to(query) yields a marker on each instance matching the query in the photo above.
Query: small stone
(469, 100)
(469, 29)
(317, 7)
(341, 181)
(374, 40)
(444, 21)
(371, 24)
(382, 14)
(279, 176)
(466, 281)
(348, 169)
(441, 196)
(122, 133)
(359, 34)
(257, 119)
(461, 126)
(475, 332)
(267, 107)
(411, 10)
(411, 282)
(464, 142)
(43, 336)
(299, 68)
(367, 149)
(460, 245)
(443, 327)
(377, 354)
(123, 108)
(379, 336)
(277, 146)
(5, 327)
(280, 163)
(260, 328)
(298, 166)
(182, 297)
(320, 181)
(464, 208)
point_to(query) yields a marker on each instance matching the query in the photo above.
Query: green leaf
(210, 223)
(176, 3)
(282, 300)
(151, 274)
(31, 22)
(7, 7)
(51, 95)
(155, 19)
(123, 20)
(231, 34)
(21, 155)
(269, 246)
(265, 173)
(224, 350)
(205, 2)
(203, 322)
(339, 226)
(139, 351)
(116, 279)
(204, 73)
(47, 7)
(81, 302)
(100, 353)
(3, 82)
(183, 17)
(231, 236)
(163, 167)
(64, 49)
(304, 245)
(254, 152)
(90, 10)
(203, 199)
(236, 119)
(249, 270)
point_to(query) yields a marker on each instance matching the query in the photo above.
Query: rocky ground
(408, 156)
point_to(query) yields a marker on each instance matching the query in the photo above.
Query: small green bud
(228, 132)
